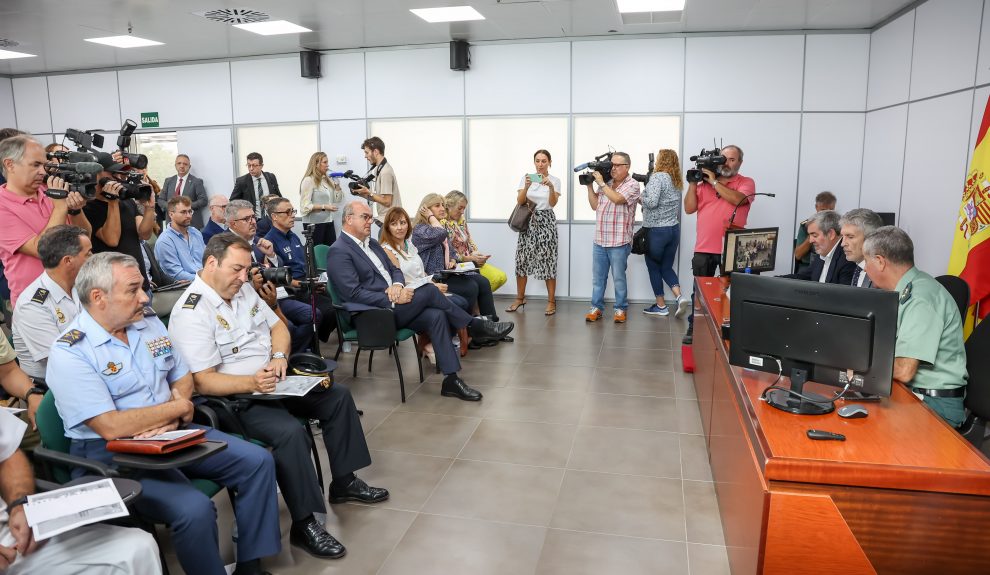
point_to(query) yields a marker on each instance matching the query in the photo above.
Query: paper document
(12, 410)
(465, 267)
(281, 293)
(167, 436)
(295, 385)
(61, 510)
(323, 278)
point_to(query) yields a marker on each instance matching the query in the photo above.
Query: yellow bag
(495, 276)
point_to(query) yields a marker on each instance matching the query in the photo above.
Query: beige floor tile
(377, 393)
(708, 559)
(423, 433)
(537, 405)
(372, 418)
(557, 377)
(563, 355)
(621, 505)
(524, 443)
(633, 339)
(684, 386)
(694, 458)
(701, 510)
(689, 417)
(574, 553)
(409, 478)
(436, 545)
(631, 412)
(646, 359)
(481, 373)
(633, 382)
(497, 492)
(638, 321)
(428, 399)
(629, 451)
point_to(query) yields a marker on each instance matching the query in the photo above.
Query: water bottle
(748, 270)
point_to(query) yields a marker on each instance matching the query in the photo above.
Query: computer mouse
(853, 411)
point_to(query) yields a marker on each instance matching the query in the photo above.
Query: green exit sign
(149, 119)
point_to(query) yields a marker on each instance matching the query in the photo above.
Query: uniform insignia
(40, 296)
(72, 336)
(906, 293)
(223, 322)
(113, 368)
(254, 310)
(149, 311)
(235, 350)
(60, 315)
(160, 346)
(191, 301)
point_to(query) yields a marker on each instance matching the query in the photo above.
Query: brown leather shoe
(594, 315)
(620, 316)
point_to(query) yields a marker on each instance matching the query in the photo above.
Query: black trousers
(274, 422)
(328, 321)
(325, 233)
(476, 289)
(703, 265)
(433, 312)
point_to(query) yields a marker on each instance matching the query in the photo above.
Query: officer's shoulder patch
(72, 337)
(149, 311)
(906, 293)
(40, 296)
(192, 301)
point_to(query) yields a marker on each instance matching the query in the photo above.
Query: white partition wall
(212, 158)
(85, 102)
(7, 117)
(31, 104)
(183, 96)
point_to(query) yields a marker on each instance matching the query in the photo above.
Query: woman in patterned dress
(536, 249)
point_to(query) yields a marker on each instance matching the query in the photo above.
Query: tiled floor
(583, 457)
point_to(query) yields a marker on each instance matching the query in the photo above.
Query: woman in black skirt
(536, 250)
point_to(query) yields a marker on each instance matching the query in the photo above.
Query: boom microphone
(73, 157)
(78, 168)
(346, 174)
(583, 166)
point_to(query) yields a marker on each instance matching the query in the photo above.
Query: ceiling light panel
(627, 6)
(273, 28)
(10, 54)
(124, 41)
(448, 14)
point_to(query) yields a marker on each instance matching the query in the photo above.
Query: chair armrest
(178, 459)
(205, 415)
(226, 412)
(375, 328)
(69, 460)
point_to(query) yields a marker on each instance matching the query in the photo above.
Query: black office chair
(978, 389)
(959, 290)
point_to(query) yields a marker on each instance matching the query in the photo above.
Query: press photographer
(716, 189)
(384, 189)
(26, 211)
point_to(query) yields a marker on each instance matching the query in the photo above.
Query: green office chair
(320, 252)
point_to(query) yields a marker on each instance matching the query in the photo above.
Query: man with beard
(714, 199)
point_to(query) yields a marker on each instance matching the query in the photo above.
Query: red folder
(147, 447)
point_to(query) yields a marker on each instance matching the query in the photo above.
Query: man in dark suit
(255, 184)
(366, 279)
(830, 265)
(185, 184)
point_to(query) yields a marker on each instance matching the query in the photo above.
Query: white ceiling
(54, 29)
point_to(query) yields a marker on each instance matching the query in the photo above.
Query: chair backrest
(375, 329)
(978, 366)
(343, 318)
(959, 290)
(320, 255)
(52, 433)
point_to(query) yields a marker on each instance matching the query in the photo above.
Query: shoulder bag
(521, 216)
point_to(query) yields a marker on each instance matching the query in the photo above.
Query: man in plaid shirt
(615, 209)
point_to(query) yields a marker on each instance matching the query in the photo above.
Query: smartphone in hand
(536, 178)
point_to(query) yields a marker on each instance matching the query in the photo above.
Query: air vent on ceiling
(5, 43)
(234, 15)
(665, 17)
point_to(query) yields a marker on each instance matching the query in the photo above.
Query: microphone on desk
(744, 198)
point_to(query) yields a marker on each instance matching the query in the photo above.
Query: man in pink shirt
(26, 212)
(714, 199)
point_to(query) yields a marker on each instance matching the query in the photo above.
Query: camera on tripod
(706, 160)
(281, 277)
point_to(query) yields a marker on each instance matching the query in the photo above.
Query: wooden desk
(903, 494)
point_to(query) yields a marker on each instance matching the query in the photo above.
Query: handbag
(639, 241)
(521, 215)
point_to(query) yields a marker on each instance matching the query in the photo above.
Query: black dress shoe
(358, 491)
(482, 330)
(313, 538)
(689, 336)
(454, 386)
(507, 339)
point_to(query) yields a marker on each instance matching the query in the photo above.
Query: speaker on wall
(459, 57)
(309, 64)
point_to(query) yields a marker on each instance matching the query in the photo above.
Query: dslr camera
(707, 160)
(358, 182)
(133, 183)
(281, 277)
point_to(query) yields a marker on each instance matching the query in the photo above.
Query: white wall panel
(31, 104)
(212, 157)
(883, 159)
(342, 86)
(890, 62)
(183, 96)
(657, 65)
(343, 138)
(582, 238)
(934, 174)
(749, 73)
(416, 82)
(86, 102)
(496, 239)
(271, 90)
(835, 73)
(831, 158)
(983, 62)
(946, 39)
(7, 117)
(519, 79)
(770, 143)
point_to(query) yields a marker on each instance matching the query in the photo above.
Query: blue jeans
(605, 259)
(661, 246)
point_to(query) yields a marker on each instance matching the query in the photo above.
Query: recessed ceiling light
(124, 41)
(273, 27)
(449, 14)
(10, 54)
(626, 6)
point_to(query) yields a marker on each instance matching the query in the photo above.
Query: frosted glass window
(427, 156)
(501, 152)
(637, 136)
(286, 150)
(161, 149)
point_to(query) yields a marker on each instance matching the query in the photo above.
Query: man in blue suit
(830, 265)
(366, 279)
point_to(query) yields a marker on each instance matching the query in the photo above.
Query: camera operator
(26, 212)
(385, 190)
(117, 224)
(714, 199)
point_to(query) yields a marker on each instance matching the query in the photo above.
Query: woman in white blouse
(536, 250)
(318, 198)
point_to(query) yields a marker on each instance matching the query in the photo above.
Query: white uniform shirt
(540, 193)
(366, 248)
(862, 273)
(828, 262)
(208, 332)
(39, 318)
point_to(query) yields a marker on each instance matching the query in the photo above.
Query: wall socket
(341, 160)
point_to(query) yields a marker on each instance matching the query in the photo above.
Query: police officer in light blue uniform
(114, 373)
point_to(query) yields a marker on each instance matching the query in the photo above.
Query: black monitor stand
(784, 401)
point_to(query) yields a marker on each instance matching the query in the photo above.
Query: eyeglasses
(290, 212)
(364, 217)
(251, 218)
(618, 164)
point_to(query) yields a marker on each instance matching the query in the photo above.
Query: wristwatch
(35, 389)
(16, 502)
(278, 355)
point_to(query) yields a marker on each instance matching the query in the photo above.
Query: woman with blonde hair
(661, 202)
(461, 243)
(318, 198)
(536, 249)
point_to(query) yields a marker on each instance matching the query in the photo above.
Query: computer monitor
(826, 333)
(755, 249)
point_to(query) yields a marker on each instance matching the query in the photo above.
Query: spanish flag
(970, 258)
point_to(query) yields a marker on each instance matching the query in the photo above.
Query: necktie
(257, 199)
(178, 188)
(856, 274)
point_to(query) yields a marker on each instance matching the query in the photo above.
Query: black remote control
(824, 435)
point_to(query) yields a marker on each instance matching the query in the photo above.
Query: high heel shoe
(430, 355)
(551, 308)
(516, 305)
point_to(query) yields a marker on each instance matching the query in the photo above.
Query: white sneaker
(683, 305)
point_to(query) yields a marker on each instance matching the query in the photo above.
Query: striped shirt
(614, 222)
